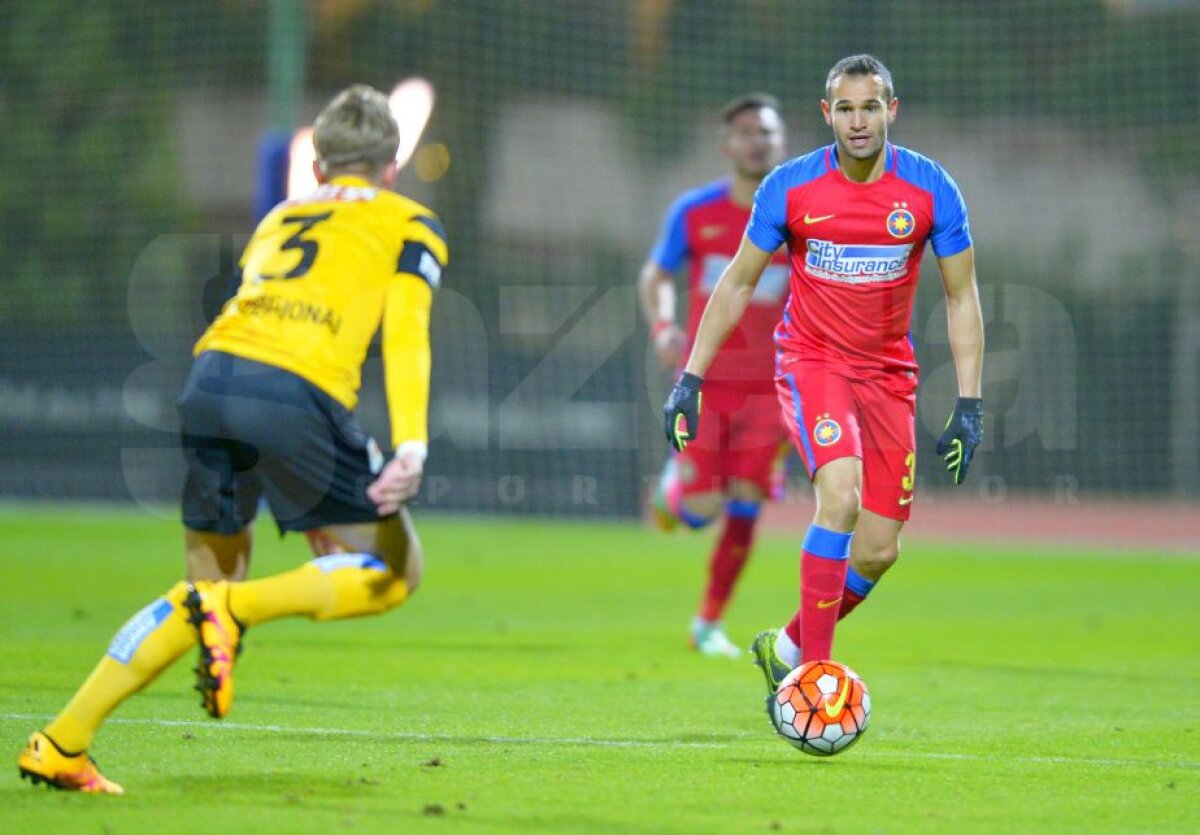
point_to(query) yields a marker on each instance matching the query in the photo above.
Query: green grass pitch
(539, 682)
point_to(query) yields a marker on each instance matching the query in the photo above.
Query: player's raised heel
(43, 761)
(219, 638)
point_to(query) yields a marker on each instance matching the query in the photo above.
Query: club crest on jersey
(900, 223)
(827, 431)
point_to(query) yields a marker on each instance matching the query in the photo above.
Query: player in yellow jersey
(267, 413)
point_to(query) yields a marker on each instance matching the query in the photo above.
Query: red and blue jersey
(704, 227)
(855, 251)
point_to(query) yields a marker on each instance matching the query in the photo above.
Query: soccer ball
(822, 707)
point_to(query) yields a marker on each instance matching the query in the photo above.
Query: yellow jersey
(320, 274)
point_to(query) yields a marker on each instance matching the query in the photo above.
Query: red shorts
(830, 415)
(741, 432)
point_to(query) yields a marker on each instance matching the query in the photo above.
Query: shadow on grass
(801, 760)
(286, 787)
(384, 798)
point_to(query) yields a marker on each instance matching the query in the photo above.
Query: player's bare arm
(728, 302)
(656, 293)
(964, 320)
(725, 307)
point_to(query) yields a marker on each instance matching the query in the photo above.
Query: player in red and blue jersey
(855, 217)
(729, 467)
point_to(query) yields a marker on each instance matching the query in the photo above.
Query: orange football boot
(43, 761)
(220, 641)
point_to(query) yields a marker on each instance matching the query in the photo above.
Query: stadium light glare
(411, 102)
(301, 156)
(431, 162)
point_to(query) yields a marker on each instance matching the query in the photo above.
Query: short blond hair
(357, 128)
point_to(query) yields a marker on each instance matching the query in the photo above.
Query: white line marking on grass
(401, 736)
(396, 735)
(935, 755)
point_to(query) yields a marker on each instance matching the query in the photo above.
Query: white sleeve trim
(417, 448)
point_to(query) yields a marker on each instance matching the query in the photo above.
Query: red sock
(850, 599)
(793, 627)
(728, 558)
(822, 581)
(822, 584)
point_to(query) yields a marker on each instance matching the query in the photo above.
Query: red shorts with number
(741, 432)
(831, 415)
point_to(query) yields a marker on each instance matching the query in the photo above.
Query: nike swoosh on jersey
(810, 219)
(834, 709)
(712, 231)
(825, 604)
(906, 500)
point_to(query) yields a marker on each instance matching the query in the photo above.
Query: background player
(855, 216)
(267, 412)
(731, 462)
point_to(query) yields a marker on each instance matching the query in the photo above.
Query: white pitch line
(396, 735)
(401, 736)
(935, 755)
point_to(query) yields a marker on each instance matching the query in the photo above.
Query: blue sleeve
(671, 248)
(768, 229)
(951, 232)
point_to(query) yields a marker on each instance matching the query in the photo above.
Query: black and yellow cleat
(220, 640)
(43, 761)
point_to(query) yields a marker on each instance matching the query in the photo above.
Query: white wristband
(417, 448)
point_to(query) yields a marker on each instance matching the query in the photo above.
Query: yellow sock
(327, 588)
(146, 645)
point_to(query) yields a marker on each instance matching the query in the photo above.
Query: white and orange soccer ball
(822, 708)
